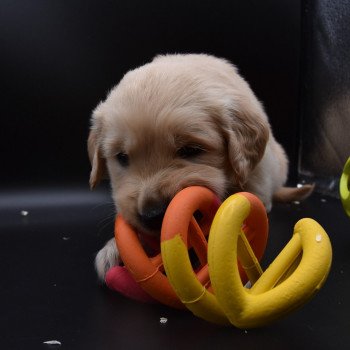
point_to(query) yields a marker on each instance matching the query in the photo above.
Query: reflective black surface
(49, 289)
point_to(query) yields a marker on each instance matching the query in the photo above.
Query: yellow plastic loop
(188, 288)
(344, 187)
(291, 280)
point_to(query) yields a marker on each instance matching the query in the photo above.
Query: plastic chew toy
(142, 277)
(193, 288)
(214, 289)
(344, 187)
(119, 279)
(297, 273)
(148, 272)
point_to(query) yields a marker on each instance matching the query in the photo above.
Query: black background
(60, 58)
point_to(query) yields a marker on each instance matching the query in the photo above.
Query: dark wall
(325, 91)
(59, 58)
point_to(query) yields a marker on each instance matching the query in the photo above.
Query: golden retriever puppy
(178, 121)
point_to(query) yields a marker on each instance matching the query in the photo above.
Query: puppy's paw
(106, 258)
(268, 205)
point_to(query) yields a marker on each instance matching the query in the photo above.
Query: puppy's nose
(152, 216)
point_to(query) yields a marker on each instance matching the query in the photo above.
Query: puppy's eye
(189, 151)
(123, 159)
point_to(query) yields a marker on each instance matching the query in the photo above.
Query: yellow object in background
(344, 187)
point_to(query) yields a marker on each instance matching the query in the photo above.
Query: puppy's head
(179, 121)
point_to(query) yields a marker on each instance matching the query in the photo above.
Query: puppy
(179, 121)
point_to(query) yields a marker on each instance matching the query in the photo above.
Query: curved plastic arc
(344, 187)
(291, 280)
(145, 271)
(177, 264)
(119, 279)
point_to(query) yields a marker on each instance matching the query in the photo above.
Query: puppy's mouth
(152, 224)
(150, 238)
(151, 218)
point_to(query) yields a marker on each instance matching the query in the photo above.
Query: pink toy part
(119, 279)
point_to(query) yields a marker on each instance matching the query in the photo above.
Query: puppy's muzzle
(152, 216)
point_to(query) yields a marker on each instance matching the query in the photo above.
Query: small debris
(296, 202)
(24, 212)
(248, 285)
(300, 185)
(318, 238)
(245, 331)
(66, 238)
(52, 342)
(323, 200)
(163, 320)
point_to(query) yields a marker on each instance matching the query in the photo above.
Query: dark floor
(49, 289)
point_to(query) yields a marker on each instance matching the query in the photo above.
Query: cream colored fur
(163, 109)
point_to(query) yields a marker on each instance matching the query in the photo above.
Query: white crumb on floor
(52, 342)
(163, 320)
(24, 212)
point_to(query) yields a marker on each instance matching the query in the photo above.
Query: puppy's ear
(247, 135)
(98, 163)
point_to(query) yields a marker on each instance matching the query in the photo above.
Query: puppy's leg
(106, 258)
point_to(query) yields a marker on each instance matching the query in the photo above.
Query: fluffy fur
(178, 121)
